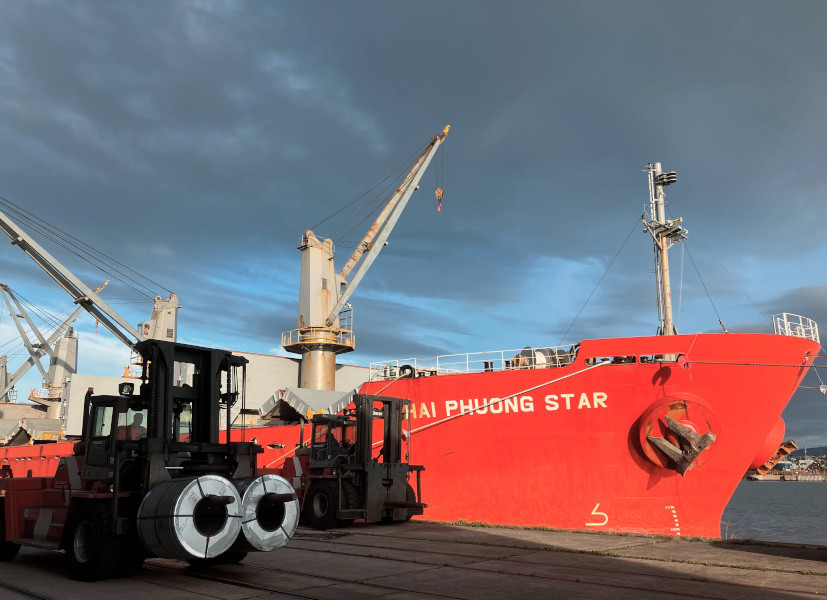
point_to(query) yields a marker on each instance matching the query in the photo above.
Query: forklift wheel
(132, 556)
(350, 499)
(410, 496)
(321, 503)
(91, 548)
(8, 550)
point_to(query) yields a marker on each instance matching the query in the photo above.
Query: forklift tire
(132, 556)
(8, 550)
(321, 503)
(410, 496)
(350, 499)
(92, 550)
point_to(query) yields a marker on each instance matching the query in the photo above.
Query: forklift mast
(327, 446)
(391, 415)
(182, 392)
(167, 394)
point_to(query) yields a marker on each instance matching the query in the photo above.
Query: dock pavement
(423, 560)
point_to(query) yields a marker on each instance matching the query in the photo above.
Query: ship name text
(514, 404)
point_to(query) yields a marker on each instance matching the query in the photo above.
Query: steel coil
(270, 513)
(196, 517)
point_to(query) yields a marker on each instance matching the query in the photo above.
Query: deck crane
(324, 325)
(61, 350)
(162, 325)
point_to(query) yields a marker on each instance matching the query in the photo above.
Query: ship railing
(795, 326)
(475, 362)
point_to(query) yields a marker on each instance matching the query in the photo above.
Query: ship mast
(665, 233)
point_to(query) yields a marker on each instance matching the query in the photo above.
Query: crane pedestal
(318, 347)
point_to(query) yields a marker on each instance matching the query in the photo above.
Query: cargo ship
(640, 434)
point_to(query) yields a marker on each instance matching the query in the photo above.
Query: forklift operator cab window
(102, 421)
(132, 425)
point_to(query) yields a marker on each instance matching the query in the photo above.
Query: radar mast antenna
(665, 233)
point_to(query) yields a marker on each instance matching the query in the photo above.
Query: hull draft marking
(676, 530)
(603, 515)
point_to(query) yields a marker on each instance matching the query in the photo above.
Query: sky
(195, 142)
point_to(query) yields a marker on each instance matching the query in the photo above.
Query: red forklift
(344, 475)
(150, 476)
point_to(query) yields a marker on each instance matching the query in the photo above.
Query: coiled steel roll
(270, 513)
(196, 517)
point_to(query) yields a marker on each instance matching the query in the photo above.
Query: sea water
(778, 511)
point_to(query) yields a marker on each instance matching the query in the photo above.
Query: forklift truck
(344, 475)
(150, 475)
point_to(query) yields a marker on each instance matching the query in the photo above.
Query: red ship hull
(563, 446)
(566, 447)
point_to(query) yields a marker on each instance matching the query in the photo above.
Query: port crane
(162, 324)
(61, 350)
(324, 327)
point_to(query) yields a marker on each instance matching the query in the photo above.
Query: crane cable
(371, 187)
(375, 207)
(439, 173)
(85, 254)
(378, 203)
(89, 254)
(599, 281)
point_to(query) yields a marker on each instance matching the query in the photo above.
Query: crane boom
(34, 356)
(79, 291)
(40, 352)
(374, 240)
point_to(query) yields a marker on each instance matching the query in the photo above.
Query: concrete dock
(421, 560)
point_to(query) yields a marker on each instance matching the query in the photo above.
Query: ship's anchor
(690, 444)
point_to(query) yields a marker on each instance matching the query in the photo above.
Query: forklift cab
(167, 425)
(333, 440)
(113, 423)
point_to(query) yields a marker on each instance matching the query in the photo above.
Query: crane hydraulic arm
(374, 240)
(80, 292)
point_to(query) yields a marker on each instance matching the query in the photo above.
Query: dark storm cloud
(196, 141)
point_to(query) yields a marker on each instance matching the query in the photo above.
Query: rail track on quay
(427, 560)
